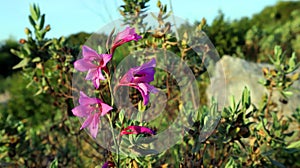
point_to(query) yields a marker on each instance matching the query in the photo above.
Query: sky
(72, 16)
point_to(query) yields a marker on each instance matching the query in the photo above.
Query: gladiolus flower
(137, 130)
(125, 36)
(92, 109)
(139, 78)
(108, 164)
(93, 63)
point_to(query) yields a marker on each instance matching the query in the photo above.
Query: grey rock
(231, 75)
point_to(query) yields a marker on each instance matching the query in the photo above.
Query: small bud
(27, 31)
(265, 71)
(48, 28)
(203, 21)
(158, 4)
(22, 41)
(35, 78)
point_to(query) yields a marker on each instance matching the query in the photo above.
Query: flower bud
(27, 31)
(22, 41)
(48, 28)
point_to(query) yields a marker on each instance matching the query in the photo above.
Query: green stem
(114, 137)
(110, 118)
(110, 90)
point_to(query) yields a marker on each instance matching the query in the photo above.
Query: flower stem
(110, 117)
(114, 138)
(110, 89)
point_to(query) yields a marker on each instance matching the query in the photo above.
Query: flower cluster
(95, 64)
(91, 109)
(139, 78)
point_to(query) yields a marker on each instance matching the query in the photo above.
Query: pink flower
(108, 164)
(125, 36)
(139, 78)
(137, 130)
(93, 63)
(92, 109)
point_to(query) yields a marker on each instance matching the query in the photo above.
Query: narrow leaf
(22, 63)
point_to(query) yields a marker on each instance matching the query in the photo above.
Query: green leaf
(32, 22)
(36, 59)
(228, 128)
(231, 163)
(54, 163)
(141, 106)
(33, 12)
(42, 22)
(293, 65)
(246, 99)
(271, 59)
(38, 92)
(17, 53)
(225, 113)
(277, 52)
(232, 102)
(121, 116)
(37, 11)
(287, 93)
(276, 163)
(294, 145)
(22, 63)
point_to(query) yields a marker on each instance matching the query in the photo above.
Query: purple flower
(93, 63)
(108, 164)
(139, 78)
(92, 109)
(125, 36)
(137, 130)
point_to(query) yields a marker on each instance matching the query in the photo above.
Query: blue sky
(71, 16)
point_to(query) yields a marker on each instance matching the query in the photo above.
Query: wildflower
(108, 164)
(93, 63)
(92, 109)
(125, 36)
(139, 78)
(137, 130)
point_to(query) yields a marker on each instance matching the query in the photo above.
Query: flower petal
(127, 77)
(125, 36)
(100, 75)
(144, 92)
(87, 122)
(93, 127)
(83, 65)
(92, 74)
(105, 108)
(137, 130)
(89, 53)
(144, 76)
(106, 58)
(85, 100)
(145, 89)
(82, 111)
(145, 73)
(96, 83)
(149, 64)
